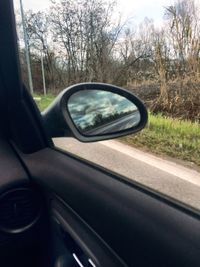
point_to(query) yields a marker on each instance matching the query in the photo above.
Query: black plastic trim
(22, 229)
(93, 246)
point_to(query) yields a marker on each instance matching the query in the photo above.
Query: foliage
(183, 107)
(81, 41)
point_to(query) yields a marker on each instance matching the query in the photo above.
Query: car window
(152, 50)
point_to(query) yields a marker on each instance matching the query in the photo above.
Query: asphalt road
(165, 176)
(117, 125)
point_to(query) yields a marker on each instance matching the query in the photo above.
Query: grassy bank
(43, 101)
(166, 136)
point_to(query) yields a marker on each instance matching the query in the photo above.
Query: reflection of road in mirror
(123, 123)
(97, 112)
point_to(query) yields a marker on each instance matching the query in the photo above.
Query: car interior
(57, 210)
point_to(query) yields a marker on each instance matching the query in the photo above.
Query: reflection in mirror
(97, 112)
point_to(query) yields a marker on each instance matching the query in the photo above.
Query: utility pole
(43, 75)
(26, 49)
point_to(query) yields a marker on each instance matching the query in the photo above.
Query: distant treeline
(84, 41)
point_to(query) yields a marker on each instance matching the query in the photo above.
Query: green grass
(163, 136)
(167, 136)
(43, 101)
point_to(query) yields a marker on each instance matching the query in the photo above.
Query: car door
(88, 215)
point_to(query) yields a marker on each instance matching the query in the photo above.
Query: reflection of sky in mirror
(85, 105)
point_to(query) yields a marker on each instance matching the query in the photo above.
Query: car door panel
(142, 230)
(12, 173)
(79, 238)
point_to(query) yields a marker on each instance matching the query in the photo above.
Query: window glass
(150, 48)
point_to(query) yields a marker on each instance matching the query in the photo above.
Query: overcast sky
(138, 9)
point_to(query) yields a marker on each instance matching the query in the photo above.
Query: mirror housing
(59, 122)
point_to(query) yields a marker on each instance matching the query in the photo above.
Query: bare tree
(39, 38)
(136, 51)
(184, 33)
(161, 60)
(87, 34)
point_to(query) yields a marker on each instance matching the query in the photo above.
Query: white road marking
(173, 168)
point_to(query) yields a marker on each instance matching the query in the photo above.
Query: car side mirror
(93, 112)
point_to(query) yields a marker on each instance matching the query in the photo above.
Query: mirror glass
(98, 112)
